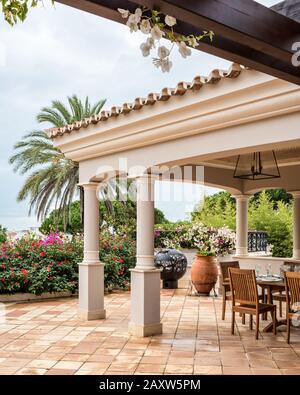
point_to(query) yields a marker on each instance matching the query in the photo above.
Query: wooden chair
(292, 266)
(225, 283)
(244, 292)
(292, 290)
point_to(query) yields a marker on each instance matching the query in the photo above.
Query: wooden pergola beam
(245, 31)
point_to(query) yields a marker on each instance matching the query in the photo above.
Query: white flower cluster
(156, 29)
(220, 241)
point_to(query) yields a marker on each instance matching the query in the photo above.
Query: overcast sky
(59, 51)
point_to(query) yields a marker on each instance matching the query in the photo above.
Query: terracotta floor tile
(229, 370)
(100, 358)
(116, 373)
(232, 362)
(7, 370)
(292, 371)
(265, 371)
(180, 361)
(74, 365)
(262, 363)
(287, 356)
(94, 366)
(154, 360)
(51, 355)
(76, 357)
(177, 369)
(48, 338)
(287, 364)
(31, 371)
(182, 354)
(150, 368)
(208, 361)
(85, 348)
(128, 358)
(62, 372)
(123, 367)
(41, 363)
(198, 369)
(18, 362)
(156, 353)
(107, 351)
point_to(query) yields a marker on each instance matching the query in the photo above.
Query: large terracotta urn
(204, 273)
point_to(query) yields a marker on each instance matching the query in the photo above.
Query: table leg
(269, 328)
(264, 316)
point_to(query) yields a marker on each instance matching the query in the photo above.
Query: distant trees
(269, 211)
(122, 218)
(3, 235)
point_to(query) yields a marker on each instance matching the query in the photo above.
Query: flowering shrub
(36, 266)
(118, 253)
(51, 264)
(151, 23)
(219, 241)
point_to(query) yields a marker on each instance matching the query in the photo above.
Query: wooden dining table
(268, 287)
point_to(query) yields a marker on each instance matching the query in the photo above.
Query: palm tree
(52, 182)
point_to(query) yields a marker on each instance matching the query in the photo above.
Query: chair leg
(280, 309)
(223, 305)
(264, 316)
(251, 322)
(232, 322)
(243, 319)
(274, 321)
(288, 321)
(257, 327)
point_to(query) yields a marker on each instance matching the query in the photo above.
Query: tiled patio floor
(47, 338)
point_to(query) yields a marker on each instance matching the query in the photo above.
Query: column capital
(89, 185)
(296, 194)
(241, 196)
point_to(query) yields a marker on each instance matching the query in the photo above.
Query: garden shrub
(3, 235)
(51, 264)
(36, 266)
(118, 253)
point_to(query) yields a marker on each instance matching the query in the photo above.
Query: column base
(296, 254)
(145, 330)
(241, 251)
(91, 291)
(91, 315)
(145, 302)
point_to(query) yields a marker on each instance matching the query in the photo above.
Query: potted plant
(211, 243)
(204, 271)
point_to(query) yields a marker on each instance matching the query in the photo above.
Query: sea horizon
(19, 223)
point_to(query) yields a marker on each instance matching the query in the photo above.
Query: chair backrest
(224, 268)
(290, 266)
(243, 286)
(292, 285)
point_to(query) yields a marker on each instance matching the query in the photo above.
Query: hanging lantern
(257, 166)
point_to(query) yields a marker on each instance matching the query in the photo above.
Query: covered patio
(191, 133)
(48, 338)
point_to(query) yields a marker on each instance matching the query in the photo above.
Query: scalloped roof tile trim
(166, 93)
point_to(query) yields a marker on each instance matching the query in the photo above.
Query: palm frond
(53, 178)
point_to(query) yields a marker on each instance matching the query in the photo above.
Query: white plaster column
(145, 278)
(296, 228)
(91, 270)
(241, 224)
